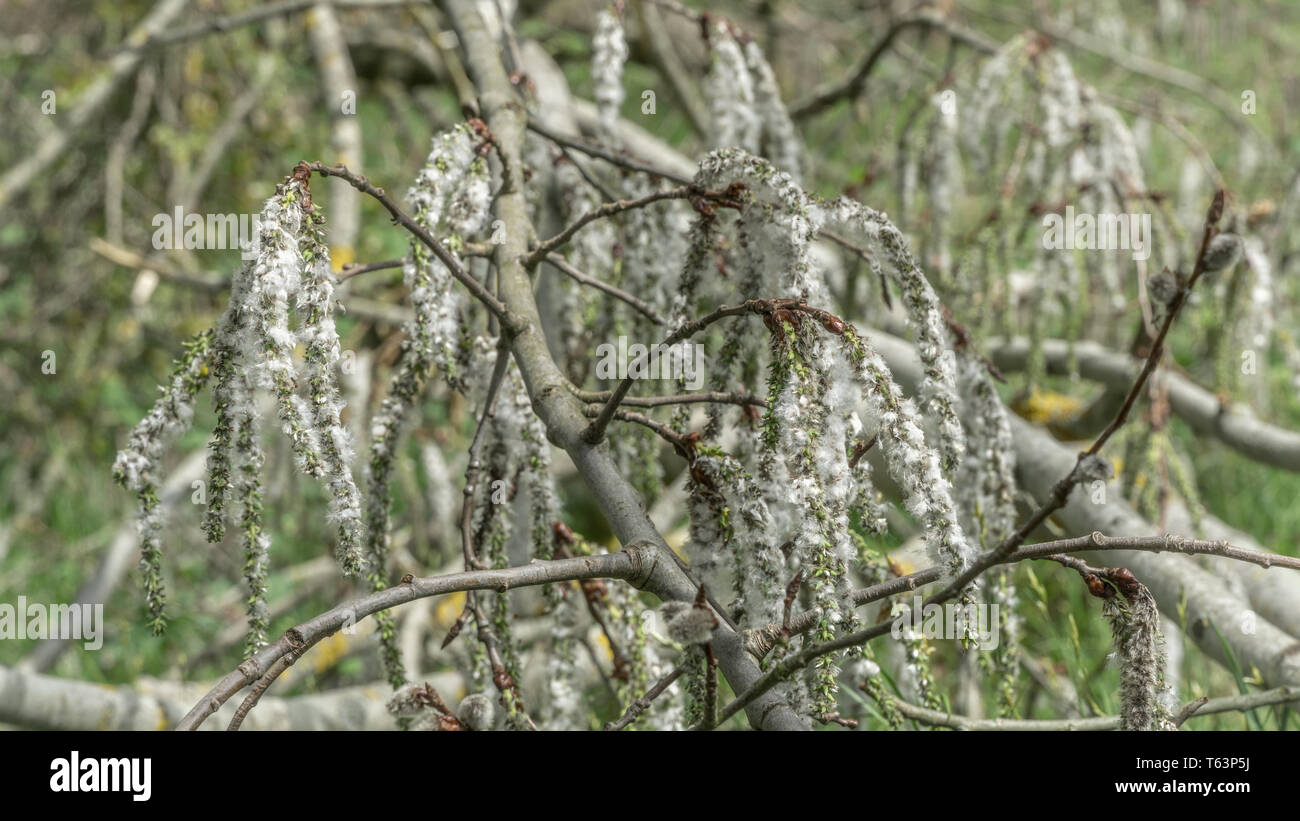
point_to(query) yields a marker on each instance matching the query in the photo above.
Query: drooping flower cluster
(1135, 625)
(450, 200)
(745, 104)
(780, 141)
(781, 503)
(137, 465)
(608, 55)
(566, 711)
(730, 91)
(943, 180)
(250, 349)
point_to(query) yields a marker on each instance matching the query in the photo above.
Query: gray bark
(1235, 425)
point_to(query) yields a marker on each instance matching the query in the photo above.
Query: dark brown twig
(509, 321)
(255, 695)
(1061, 490)
(640, 705)
(727, 198)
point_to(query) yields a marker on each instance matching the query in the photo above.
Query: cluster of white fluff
(810, 417)
(255, 349)
(730, 89)
(515, 471)
(276, 279)
(745, 106)
(1116, 154)
(668, 712)
(781, 143)
(938, 391)
(729, 538)
(1005, 661)
(236, 442)
(252, 347)
(293, 264)
(609, 54)
(654, 242)
(1139, 651)
(590, 251)
(320, 340)
(915, 680)
(1084, 155)
(913, 464)
(450, 199)
(943, 179)
(777, 263)
(821, 374)
(1060, 100)
(997, 87)
(987, 479)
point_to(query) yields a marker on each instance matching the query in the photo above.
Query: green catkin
(916, 654)
(629, 628)
(275, 278)
(223, 434)
(874, 686)
(1003, 664)
(136, 465)
(693, 684)
(823, 571)
(255, 541)
(491, 537)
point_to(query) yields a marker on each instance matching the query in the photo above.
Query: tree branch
(851, 86)
(508, 320)
(1199, 707)
(628, 564)
(560, 411)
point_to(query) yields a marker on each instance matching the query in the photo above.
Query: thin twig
(1061, 491)
(595, 432)
(608, 155)
(263, 684)
(618, 293)
(725, 197)
(851, 86)
(1200, 707)
(509, 321)
(354, 269)
(734, 398)
(640, 705)
(220, 25)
